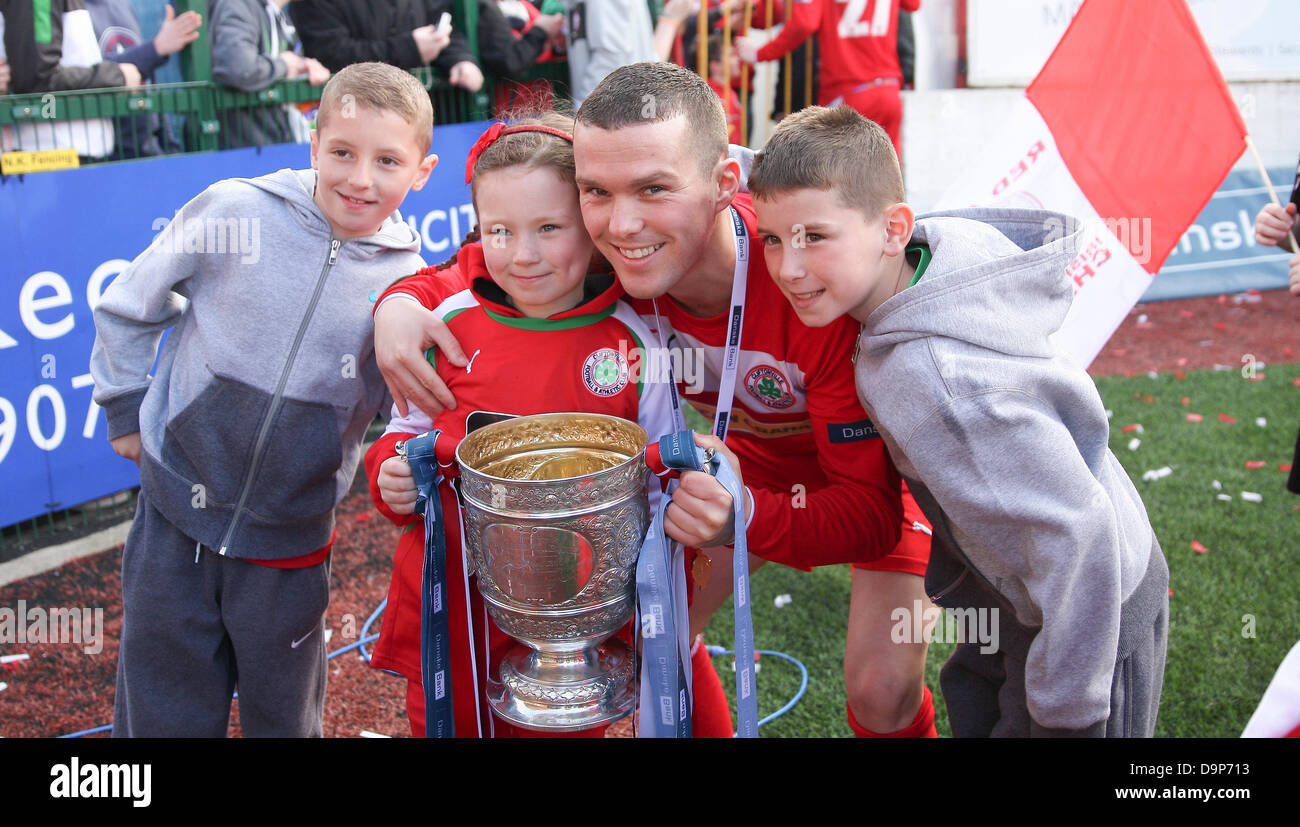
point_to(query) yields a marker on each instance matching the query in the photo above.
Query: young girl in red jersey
(531, 310)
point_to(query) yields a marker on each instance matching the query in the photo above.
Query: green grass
(1216, 671)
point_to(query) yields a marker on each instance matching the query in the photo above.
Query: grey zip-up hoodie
(1003, 440)
(251, 430)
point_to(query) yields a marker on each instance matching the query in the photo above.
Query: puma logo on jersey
(469, 368)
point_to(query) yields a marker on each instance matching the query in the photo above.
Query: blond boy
(250, 432)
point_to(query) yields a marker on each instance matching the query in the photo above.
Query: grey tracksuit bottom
(196, 625)
(985, 693)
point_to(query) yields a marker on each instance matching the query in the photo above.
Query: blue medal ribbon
(664, 621)
(435, 626)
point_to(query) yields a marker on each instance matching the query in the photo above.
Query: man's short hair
(381, 87)
(830, 149)
(658, 91)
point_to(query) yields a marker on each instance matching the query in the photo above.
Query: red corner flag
(1141, 114)
(1130, 127)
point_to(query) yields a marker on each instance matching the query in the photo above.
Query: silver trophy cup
(555, 510)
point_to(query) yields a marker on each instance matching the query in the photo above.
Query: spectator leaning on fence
(509, 46)
(50, 47)
(252, 48)
(118, 32)
(402, 33)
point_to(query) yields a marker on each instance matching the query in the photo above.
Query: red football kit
(575, 360)
(859, 54)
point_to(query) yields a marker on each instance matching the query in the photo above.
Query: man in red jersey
(657, 192)
(859, 54)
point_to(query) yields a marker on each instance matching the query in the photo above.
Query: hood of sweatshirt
(996, 279)
(296, 187)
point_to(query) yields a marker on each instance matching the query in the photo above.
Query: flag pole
(1272, 193)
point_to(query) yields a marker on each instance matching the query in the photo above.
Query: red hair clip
(494, 132)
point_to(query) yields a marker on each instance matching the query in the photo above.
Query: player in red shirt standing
(859, 54)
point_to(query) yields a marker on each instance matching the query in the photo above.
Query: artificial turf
(1234, 612)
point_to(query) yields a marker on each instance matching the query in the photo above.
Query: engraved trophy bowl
(555, 510)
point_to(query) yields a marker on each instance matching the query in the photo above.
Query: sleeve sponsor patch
(859, 431)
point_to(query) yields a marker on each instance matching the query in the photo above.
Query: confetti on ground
(1296, 382)
(1227, 498)
(1191, 417)
(1198, 548)
(783, 600)
(1255, 463)
(365, 733)
(1134, 443)
(7, 659)
(1186, 400)
(1148, 399)
(1284, 467)
(1179, 374)
(1171, 591)
(1223, 417)
(1158, 473)
(1110, 413)
(1261, 422)
(1153, 374)
(1251, 496)
(1128, 429)
(1142, 318)
(1218, 486)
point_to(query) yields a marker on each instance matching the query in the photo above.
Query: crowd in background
(88, 44)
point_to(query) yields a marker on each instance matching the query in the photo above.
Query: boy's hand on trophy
(397, 486)
(404, 331)
(700, 513)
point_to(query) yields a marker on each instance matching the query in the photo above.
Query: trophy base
(566, 697)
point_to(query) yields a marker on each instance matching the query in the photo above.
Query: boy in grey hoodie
(250, 432)
(1002, 438)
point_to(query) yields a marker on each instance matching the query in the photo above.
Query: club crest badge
(769, 386)
(605, 372)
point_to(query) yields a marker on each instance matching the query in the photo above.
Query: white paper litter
(1157, 473)
(1261, 422)
(1251, 496)
(1134, 443)
(1225, 497)
(14, 658)
(1218, 486)
(783, 600)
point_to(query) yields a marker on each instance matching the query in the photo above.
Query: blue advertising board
(1218, 253)
(66, 235)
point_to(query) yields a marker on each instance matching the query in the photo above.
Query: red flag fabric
(1141, 115)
